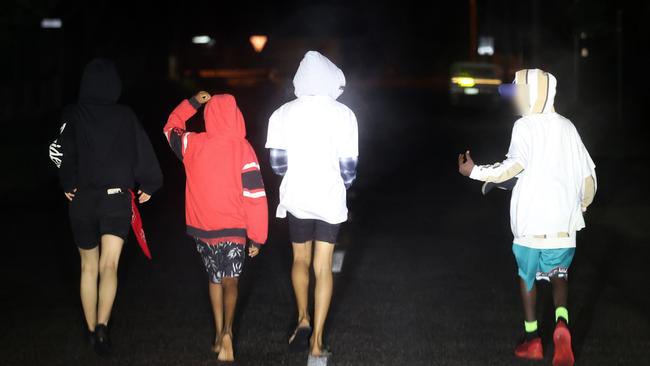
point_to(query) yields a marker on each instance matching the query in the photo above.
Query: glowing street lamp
(258, 42)
(51, 23)
(202, 39)
(485, 46)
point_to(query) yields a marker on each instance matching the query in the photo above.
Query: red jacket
(224, 195)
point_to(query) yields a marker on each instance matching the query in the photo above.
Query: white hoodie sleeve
(348, 142)
(590, 184)
(275, 135)
(517, 159)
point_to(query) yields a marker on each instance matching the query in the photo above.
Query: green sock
(562, 312)
(530, 326)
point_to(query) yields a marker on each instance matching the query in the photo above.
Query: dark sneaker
(563, 354)
(89, 337)
(102, 341)
(530, 349)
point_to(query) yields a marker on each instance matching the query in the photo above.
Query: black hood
(100, 82)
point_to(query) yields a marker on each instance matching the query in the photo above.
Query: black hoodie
(103, 144)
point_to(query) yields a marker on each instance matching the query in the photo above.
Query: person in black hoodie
(103, 153)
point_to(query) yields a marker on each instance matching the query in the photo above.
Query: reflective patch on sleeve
(252, 180)
(255, 194)
(503, 175)
(251, 166)
(176, 137)
(279, 161)
(185, 136)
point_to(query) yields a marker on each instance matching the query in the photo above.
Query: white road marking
(337, 260)
(316, 361)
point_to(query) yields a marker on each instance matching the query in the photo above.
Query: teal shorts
(542, 264)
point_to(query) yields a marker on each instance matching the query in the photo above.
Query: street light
(202, 39)
(51, 23)
(258, 41)
(485, 46)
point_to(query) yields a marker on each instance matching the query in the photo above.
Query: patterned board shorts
(542, 264)
(221, 260)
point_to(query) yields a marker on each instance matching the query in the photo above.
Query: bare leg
(529, 300)
(230, 302)
(302, 253)
(560, 291)
(216, 298)
(108, 262)
(88, 285)
(323, 293)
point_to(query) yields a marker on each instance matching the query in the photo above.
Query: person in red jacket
(225, 200)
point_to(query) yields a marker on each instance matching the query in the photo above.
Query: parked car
(474, 82)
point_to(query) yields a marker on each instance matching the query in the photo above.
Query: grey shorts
(221, 260)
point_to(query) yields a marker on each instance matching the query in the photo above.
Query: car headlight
(465, 82)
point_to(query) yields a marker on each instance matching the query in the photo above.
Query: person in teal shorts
(553, 181)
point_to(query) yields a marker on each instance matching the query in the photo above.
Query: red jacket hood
(223, 117)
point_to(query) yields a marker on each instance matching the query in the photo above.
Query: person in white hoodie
(313, 145)
(555, 183)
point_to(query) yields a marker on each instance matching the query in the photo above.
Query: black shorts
(304, 230)
(94, 213)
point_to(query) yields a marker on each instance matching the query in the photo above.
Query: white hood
(535, 91)
(317, 75)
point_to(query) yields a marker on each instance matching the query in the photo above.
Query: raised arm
(175, 131)
(495, 173)
(515, 162)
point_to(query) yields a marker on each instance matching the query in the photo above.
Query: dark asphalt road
(428, 277)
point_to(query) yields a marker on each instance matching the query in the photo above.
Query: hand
(143, 197)
(70, 195)
(465, 164)
(253, 251)
(202, 97)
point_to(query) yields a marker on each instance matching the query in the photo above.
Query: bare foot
(226, 352)
(303, 323)
(316, 349)
(216, 347)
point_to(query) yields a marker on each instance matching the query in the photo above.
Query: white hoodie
(316, 131)
(556, 176)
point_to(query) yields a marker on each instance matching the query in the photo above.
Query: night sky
(377, 38)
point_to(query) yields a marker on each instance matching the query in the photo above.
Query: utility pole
(576, 66)
(473, 46)
(577, 35)
(535, 33)
(619, 64)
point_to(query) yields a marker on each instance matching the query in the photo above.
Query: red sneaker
(530, 350)
(563, 354)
